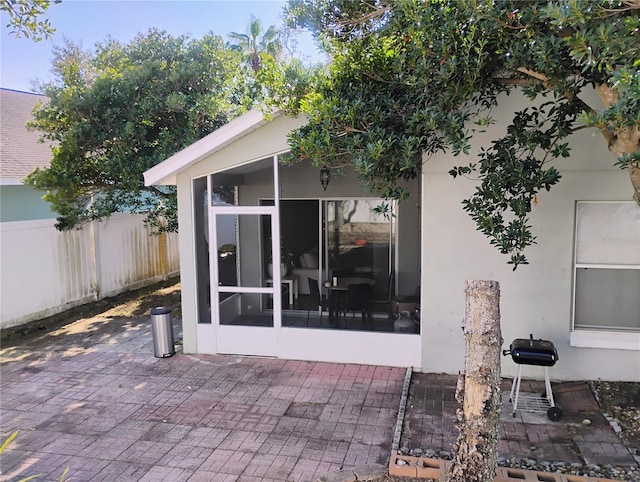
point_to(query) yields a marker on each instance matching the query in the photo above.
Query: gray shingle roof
(20, 150)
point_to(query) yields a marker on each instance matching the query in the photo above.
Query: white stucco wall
(536, 298)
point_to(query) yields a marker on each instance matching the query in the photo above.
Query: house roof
(165, 173)
(20, 149)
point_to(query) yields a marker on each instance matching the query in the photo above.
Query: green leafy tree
(412, 77)
(283, 84)
(122, 109)
(25, 18)
(256, 42)
(279, 79)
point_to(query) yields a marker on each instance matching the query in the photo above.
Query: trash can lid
(161, 310)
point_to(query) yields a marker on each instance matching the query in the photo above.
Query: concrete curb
(395, 445)
(436, 469)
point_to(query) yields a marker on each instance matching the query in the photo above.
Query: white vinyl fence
(44, 271)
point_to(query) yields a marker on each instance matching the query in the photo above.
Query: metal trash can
(162, 331)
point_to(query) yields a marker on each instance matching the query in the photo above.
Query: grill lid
(532, 352)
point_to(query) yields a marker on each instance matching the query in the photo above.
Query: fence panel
(44, 271)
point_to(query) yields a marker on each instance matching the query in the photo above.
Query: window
(607, 269)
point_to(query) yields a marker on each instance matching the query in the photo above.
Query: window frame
(598, 337)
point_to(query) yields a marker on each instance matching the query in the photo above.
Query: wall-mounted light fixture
(325, 177)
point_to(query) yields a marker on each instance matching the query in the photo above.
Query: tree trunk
(622, 141)
(476, 450)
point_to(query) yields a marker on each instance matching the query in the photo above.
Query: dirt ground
(131, 304)
(621, 401)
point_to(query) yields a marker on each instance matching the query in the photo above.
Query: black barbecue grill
(525, 351)
(542, 353)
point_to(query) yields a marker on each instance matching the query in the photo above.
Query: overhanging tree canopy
(413, 77)
(25, 18)
(122, 109)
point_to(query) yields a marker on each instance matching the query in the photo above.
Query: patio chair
(386, 301)
(317, 301)
(359, 299)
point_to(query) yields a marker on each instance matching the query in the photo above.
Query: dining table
(336, 289)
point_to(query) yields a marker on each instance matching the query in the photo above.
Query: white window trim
(616, 340)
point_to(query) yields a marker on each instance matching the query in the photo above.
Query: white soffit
(165, 173)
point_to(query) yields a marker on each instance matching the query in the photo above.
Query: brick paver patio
(95, 400)
(91, 397)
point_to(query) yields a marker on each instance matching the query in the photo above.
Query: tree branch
(353, 129)
(378, 12)
(377, 78)
(631, 6)
(606, 94)
(534, 74)
(511, 81)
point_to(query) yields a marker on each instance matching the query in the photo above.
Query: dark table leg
(334, 308)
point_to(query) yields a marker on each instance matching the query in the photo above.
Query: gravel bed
(585, 470)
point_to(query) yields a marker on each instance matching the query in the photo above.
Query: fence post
(162, 251)
(94, 246)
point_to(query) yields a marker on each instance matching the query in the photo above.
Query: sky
(90, 21)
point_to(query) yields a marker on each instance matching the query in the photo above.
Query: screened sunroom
(339, 260)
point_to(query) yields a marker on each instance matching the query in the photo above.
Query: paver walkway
(92, 397)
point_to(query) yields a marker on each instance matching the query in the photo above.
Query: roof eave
(165, 173)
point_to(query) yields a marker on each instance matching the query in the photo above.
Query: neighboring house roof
(20, 149)
(165, 172)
